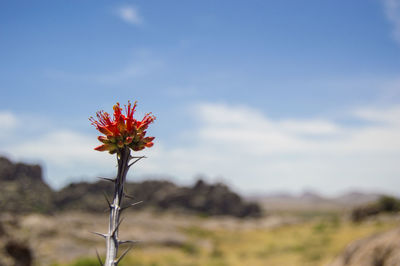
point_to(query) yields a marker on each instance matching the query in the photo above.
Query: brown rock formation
(378, 250)
(22, 188)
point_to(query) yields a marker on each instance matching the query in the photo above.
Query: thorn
(98, 257)
(108, 201)
(137, 159)
(99, 234)
(121, 242)
(116, 228)
(131, 205)
(107, 179)
(128, 196)
(123, 255)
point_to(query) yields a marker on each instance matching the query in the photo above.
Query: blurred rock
(83, 196)
(21, 253)
(360, 213)
(377, 250)
(211, 200)
(22, 188)
(201, 198)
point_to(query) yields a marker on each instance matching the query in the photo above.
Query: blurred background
(277, 131)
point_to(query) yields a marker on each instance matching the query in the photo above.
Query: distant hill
(309, 200)
(23, 190)
(355, 198)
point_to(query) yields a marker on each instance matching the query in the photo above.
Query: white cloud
(129, 14)
(392, 10)
(248, 148)
(66, 155)
(8, 121)
(389, 115)
(259, 153)
(310, 127)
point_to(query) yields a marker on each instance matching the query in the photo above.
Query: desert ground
(181, 239)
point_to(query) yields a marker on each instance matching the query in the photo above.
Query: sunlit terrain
(177, 239)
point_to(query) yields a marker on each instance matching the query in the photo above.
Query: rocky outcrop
(202, 198)
(378, 250)
(22, 188)
(215, 199)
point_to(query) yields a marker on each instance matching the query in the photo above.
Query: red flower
(122, 130)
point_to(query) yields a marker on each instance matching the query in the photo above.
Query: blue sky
(265, 95)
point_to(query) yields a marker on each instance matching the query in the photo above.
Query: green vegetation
(315, 242)
(389, 204)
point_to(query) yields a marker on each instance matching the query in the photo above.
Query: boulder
(377, 250)
(21, 254)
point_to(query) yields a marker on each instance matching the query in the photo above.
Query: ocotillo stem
(112, 241)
